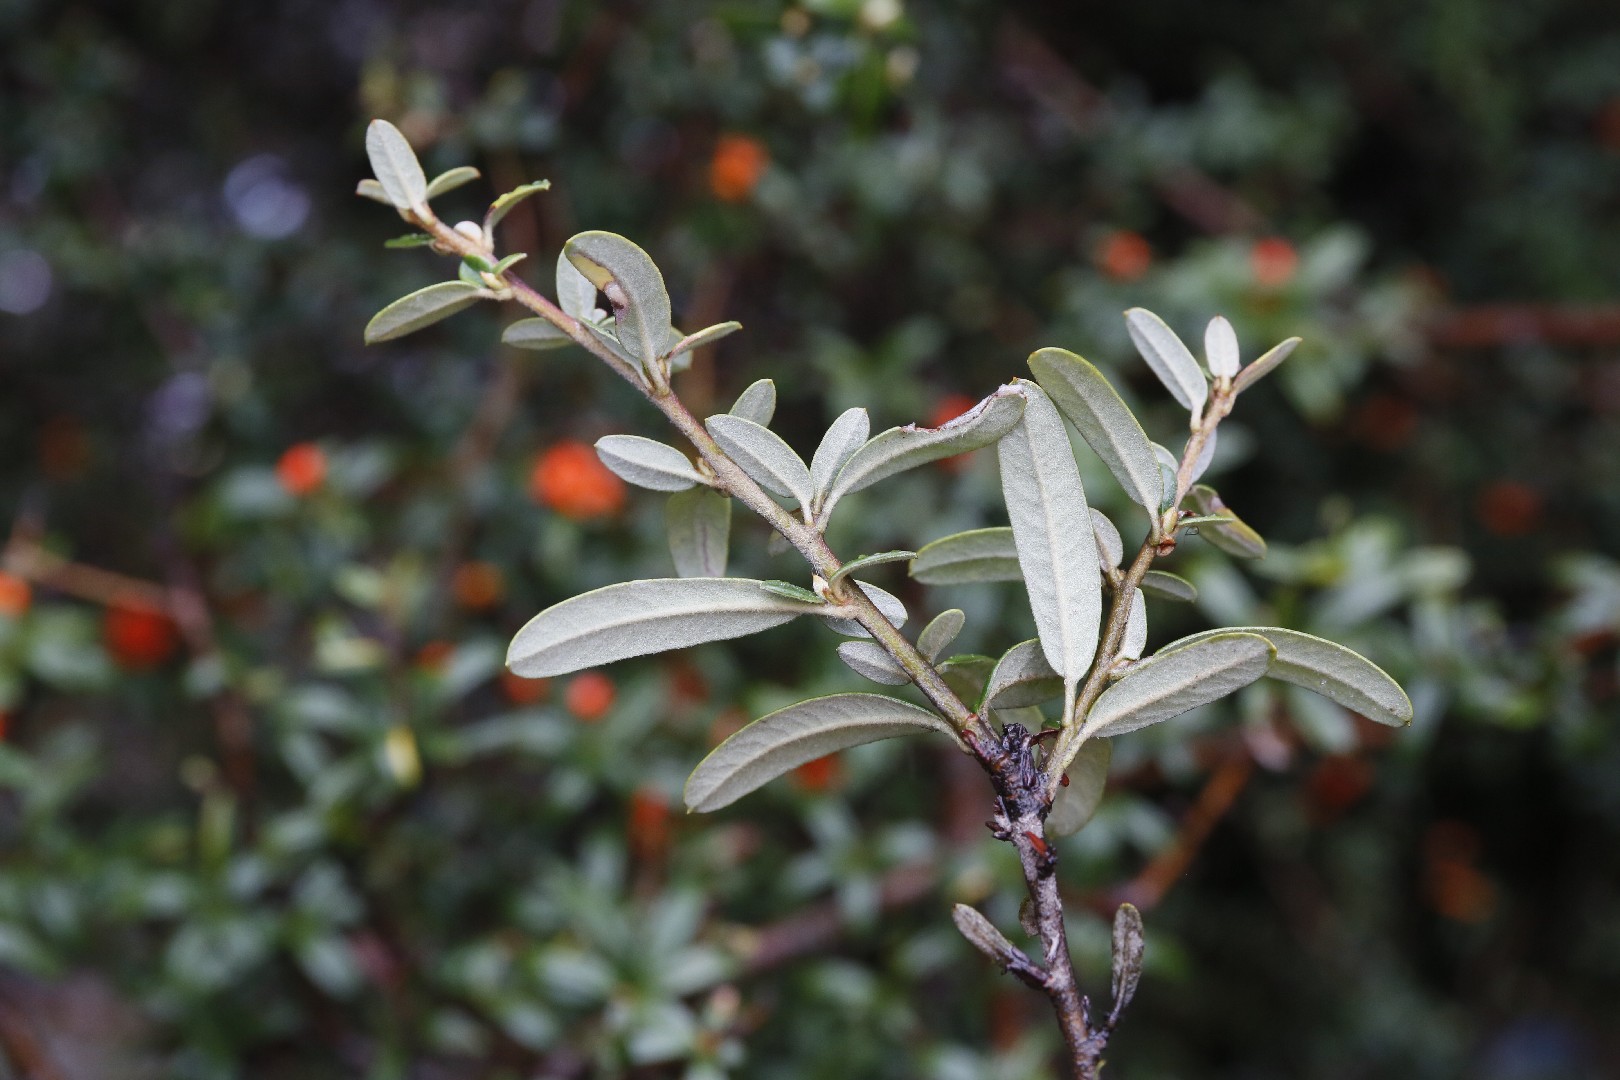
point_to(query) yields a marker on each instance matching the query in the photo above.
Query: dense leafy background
(318, 836)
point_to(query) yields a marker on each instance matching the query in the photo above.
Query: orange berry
(1508, 508)
(1336, 784)
(64, 448)
(589, 696)
(15, 595)
(738, 163)
(302, 469)
(571, 479)
(521, 691)
(1273, 261)
(1386, 422)
(1124, 255)
(947, 409)
(139, 637)
(1606, 125)
(5, 725)
(648, 823)
(434, 657)
(477, 586)
(823, 774)
(686, 684)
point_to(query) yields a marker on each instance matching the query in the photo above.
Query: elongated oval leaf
(641, 309)
(575, 293)
(707, 336)
(1167, 586)
(534, 334)
(967, 674)
(1339, 674)
(503, 205)
(865, 561)
(1221, 348)
(967, 557)
(940, 632)
(1206, 454)
(1022, 678)
(1259, 369)
(1169, 358)
(395, 166)
(641, 617)
(847, 434)
(1230, 534)
(1135, 640)
(370, 189)
(787, 738)
(1179, 678)
(1106, 423)
(1051, 526)
(1129, 947)
(868, 660)
(888, 605)
(647, 463)
(902, 448)
(983, 935)
(1169, 466)
(1110, 545)
(424, 307)
(757, 403)
(761, 453)
(451, 179)
(1077, 801)
(699, 524)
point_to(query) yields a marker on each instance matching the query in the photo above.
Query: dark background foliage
(294, 823)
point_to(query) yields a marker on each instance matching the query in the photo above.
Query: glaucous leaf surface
(1206, 454)
(1221, 348)
(967, 674)
(1104, 421)
(1261, 367)
(1178, 678)
(968, 557)
(575, 293)
(641, 311)
(699, 524)
(641, 617)
(757, 403)
(1076, 802)
(982, 934)
(888, 605)
(534, 334)
(868, 660)
(875, 559)
(785, 739)
(761, 453)
(1339, 674)
(940, 632)
(1051, 526)
(424, 307)
(371, 189)
(1169, 358)
(1021, 678)
(847, 434)
(1135, 639)
(1110, 545)
(503, 205)
(394, 164)
(901, 448)
(707, 336)
(451, 179)
(1129, 947)
(1230, 534)
(647, 463)
(1168, 586)
(1169, 466)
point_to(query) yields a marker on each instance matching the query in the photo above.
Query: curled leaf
(503, 205)
(707, 336)
(1230, 533)
(631, 281)
(1130, 945)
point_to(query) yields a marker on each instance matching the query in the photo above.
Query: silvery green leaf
(1169, 466)
(451, 179)
(1178, 678)
(757, 403)
(707, 336)
(1167, 586)
(640, 617)
(1259, 369)
(888, 605)
(472, 269)
(409, 240)
(1221, 348)
(967, 557)
(1107, 424)
(647, 463)
(1169, 358)
(503, 205)
(395, 165)
(761, 453)
(983, 935)
(785, 739)
(869, 660)
(846, 435)
(1206, 454)
(901, 448)
(940, 632)
(875, 559)
(791, 591)
(370, 189)
(1021, 678)
(510, 261)
(699, 525)
(1339, 674)
(1077, 800)
(631, 281)
(575, 293)
(1129, 947)
(1231, 534)
(1110, 545)
(1135, 639)
(1051, 526)
(424, 307)
(777, 544)
(534, 334)
(967, 674)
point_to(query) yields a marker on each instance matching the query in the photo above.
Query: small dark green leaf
(510, 261)
(503, 205)
(791, 591)
(424, 307)
(409, 240)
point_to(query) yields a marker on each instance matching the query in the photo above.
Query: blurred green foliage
(310, 833)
